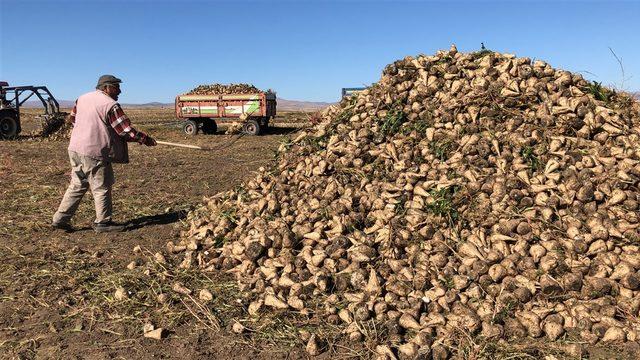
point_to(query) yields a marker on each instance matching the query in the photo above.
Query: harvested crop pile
(224, 89)
(474, 193)
(55, 127)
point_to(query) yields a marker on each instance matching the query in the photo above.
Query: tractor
(13, 97)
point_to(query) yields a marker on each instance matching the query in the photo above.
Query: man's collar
(107, 95)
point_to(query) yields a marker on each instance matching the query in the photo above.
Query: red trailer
(201, 112)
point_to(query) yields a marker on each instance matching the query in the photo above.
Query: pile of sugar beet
(56, 127)
(476, 193)
(215, 89)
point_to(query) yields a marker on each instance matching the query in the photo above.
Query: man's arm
(71, 118)
(122, 125)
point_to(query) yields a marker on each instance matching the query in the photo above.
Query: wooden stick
(179, 145)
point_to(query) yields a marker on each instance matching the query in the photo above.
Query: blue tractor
(351, 91)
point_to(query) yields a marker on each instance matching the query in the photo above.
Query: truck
(203, 112)
(11, 100)
(351, 91)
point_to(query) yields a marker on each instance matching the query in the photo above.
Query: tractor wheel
(190, 128)
(209, 126)
(251, 127)
(8, 127)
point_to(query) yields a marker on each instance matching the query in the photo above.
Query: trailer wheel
(209, 126)
(190, 128)
(251, 127)
(264, 125)
(8, 127)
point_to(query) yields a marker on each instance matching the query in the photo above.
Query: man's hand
(149, 141)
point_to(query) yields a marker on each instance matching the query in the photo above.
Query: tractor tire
(209, 127)
(190, 128)
(252, 127)
(9, 127)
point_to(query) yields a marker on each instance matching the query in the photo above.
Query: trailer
(203, 112)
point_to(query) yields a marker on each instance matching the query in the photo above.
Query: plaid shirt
(120, 122)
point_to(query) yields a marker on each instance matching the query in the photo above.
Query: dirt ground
(56, 288)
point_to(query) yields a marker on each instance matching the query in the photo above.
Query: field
(56, 289)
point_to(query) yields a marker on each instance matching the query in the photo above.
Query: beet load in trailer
(202, 112)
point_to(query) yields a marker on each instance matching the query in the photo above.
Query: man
(99, 138)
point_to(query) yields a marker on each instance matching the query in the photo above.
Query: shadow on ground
(160, 219)
(271, 130)
(281, 130)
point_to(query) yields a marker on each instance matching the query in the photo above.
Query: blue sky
(305, 50)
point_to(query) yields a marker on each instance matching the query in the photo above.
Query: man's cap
(108, 80)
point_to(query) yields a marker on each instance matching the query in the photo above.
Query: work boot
(108, 227)
(62, 226)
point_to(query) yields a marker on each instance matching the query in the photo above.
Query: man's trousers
(87, 173)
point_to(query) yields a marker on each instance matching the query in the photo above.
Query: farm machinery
(200, 112)
(351, 91)
(12, 98)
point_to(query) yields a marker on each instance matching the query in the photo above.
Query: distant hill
(283, 105)
(636, 95)
(295, 105)
(154, 104)
(70, 103)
